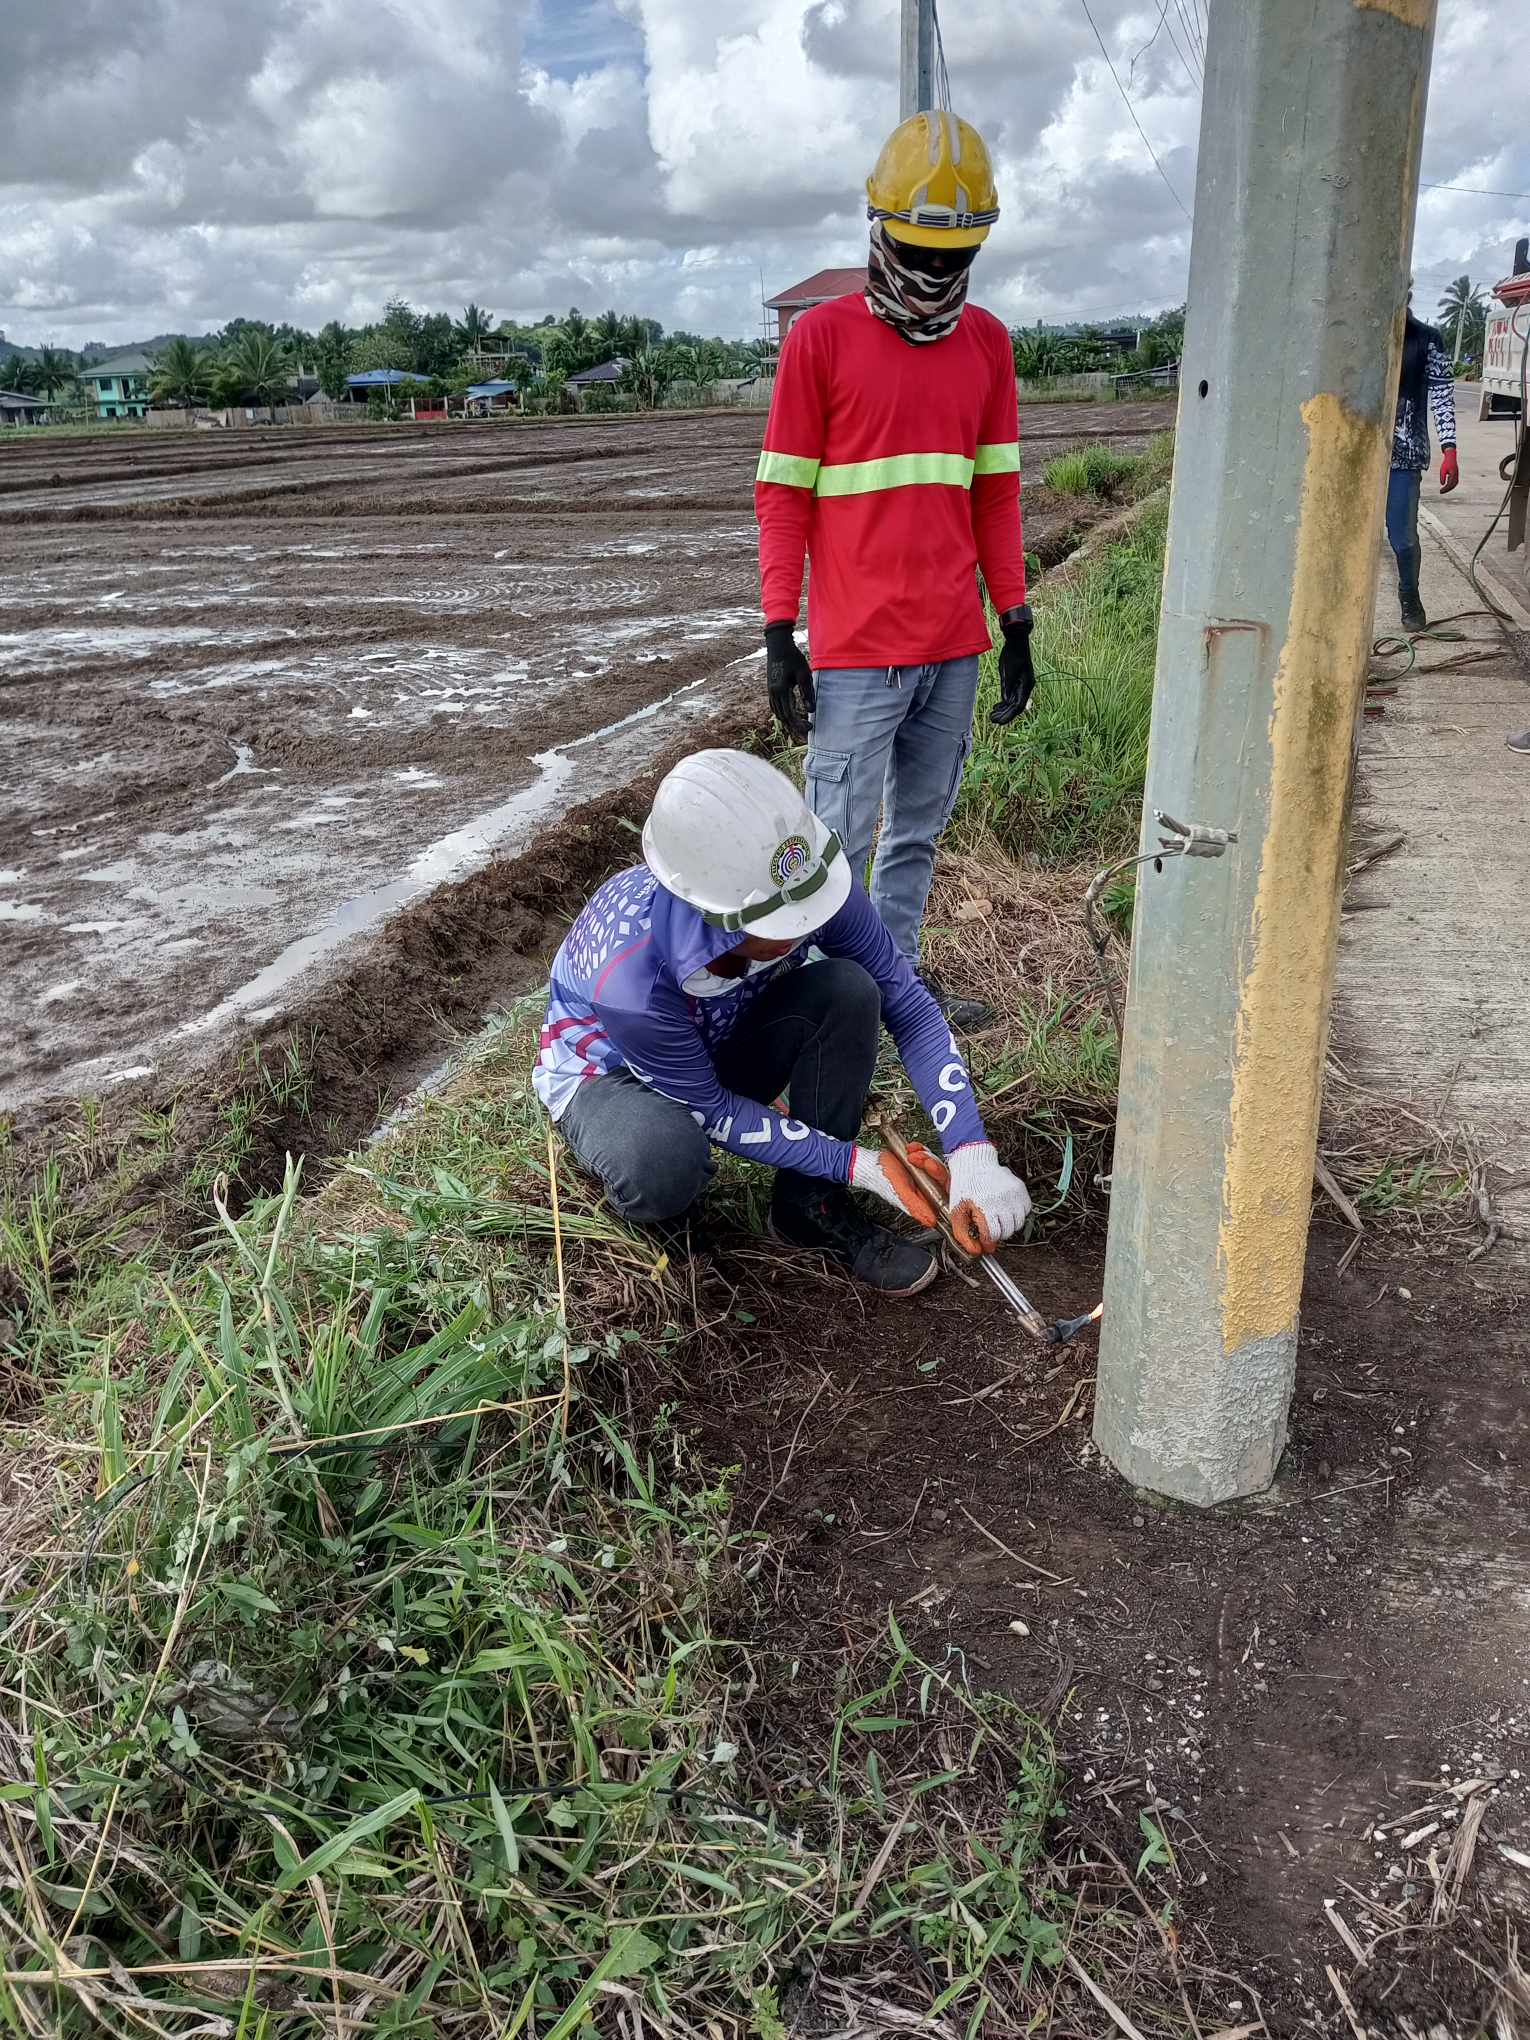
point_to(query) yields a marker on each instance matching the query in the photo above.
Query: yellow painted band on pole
(794, 470)
(1412, 13)
(894, 471)
(1281, 1034)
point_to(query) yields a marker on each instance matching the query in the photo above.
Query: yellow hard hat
(933, 184)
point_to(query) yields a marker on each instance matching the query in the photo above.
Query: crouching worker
(740, 961)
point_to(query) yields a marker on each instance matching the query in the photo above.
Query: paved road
(1432, 974)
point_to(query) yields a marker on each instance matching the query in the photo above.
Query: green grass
(1102, 470)
(1065, 782)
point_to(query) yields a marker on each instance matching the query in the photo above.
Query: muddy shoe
(829, 1222)
(966, 1016)
(1413, 616)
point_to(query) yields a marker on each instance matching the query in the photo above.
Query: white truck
(1504, 342)
(1506, 382)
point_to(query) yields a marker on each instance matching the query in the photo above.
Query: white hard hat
(734, 838)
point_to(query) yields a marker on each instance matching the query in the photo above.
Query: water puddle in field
(20, 910)
(244, 762)
(450, 857)
(45, 649)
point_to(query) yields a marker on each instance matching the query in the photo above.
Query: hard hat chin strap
(735, 920)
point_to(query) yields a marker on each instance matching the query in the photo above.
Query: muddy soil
(1281, 1684)
(264, 689)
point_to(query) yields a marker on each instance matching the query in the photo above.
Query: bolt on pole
(1311, 131)
(916, 58)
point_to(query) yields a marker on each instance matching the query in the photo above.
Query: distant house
(485, 398)
(603, 372)
(119, 386)
(359, 387)
(15, 409)
(816, 289)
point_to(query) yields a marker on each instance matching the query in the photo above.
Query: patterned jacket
(1425, 372)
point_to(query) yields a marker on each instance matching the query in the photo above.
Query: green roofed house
(119, 386)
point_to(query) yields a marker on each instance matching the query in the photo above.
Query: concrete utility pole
(916, 58)
(1311, 129)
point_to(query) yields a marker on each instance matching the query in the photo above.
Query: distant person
(892, 461)
(1426, 384)
(740, 960)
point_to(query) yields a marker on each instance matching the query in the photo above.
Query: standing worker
(1426, 377)
(684, 1002)
(892, 463)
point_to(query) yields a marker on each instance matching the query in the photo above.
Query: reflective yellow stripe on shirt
(794, 470)
(998, 460)
(894, 471)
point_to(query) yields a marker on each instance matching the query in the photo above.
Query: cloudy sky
(166, 164)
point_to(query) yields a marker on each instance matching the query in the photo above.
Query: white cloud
(169, 163)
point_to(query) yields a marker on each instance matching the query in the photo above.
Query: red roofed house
(813, 290)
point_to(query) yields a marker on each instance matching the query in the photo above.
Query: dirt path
(1279, 1687)
(262, 690)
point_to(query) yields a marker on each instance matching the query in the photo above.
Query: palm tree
(1037, 354)
(475, 326)
(632, 336)
(608, 331)
(180, 374)
(1461, 301)
(648, 374)
(261, 367)
(55, 367)
(576, 328)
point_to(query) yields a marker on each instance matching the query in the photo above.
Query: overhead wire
(1126, 102)
(1190, 37)
(942, 78)
(1477, 190)
(1163, 16)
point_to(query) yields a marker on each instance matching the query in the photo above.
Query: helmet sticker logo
(790, 859)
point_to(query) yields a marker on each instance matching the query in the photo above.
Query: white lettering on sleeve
(794, 1129)
(954, 1077)
(760, 1135)
(944, 1113)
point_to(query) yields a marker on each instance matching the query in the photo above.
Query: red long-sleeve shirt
(896, 471)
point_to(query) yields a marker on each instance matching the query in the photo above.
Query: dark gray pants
(813, 1034)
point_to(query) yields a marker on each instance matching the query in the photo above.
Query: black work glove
(790, 680)
(1017, 676)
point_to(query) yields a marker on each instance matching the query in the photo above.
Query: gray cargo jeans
(892, 740)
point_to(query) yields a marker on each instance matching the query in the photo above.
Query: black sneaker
(829, 1222)
(1413, 617)
(966, 1016)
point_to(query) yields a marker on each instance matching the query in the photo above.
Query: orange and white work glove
(988, 1202)
(893, 1181)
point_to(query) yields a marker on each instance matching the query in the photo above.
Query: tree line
(249, 362)
(1041, 352)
